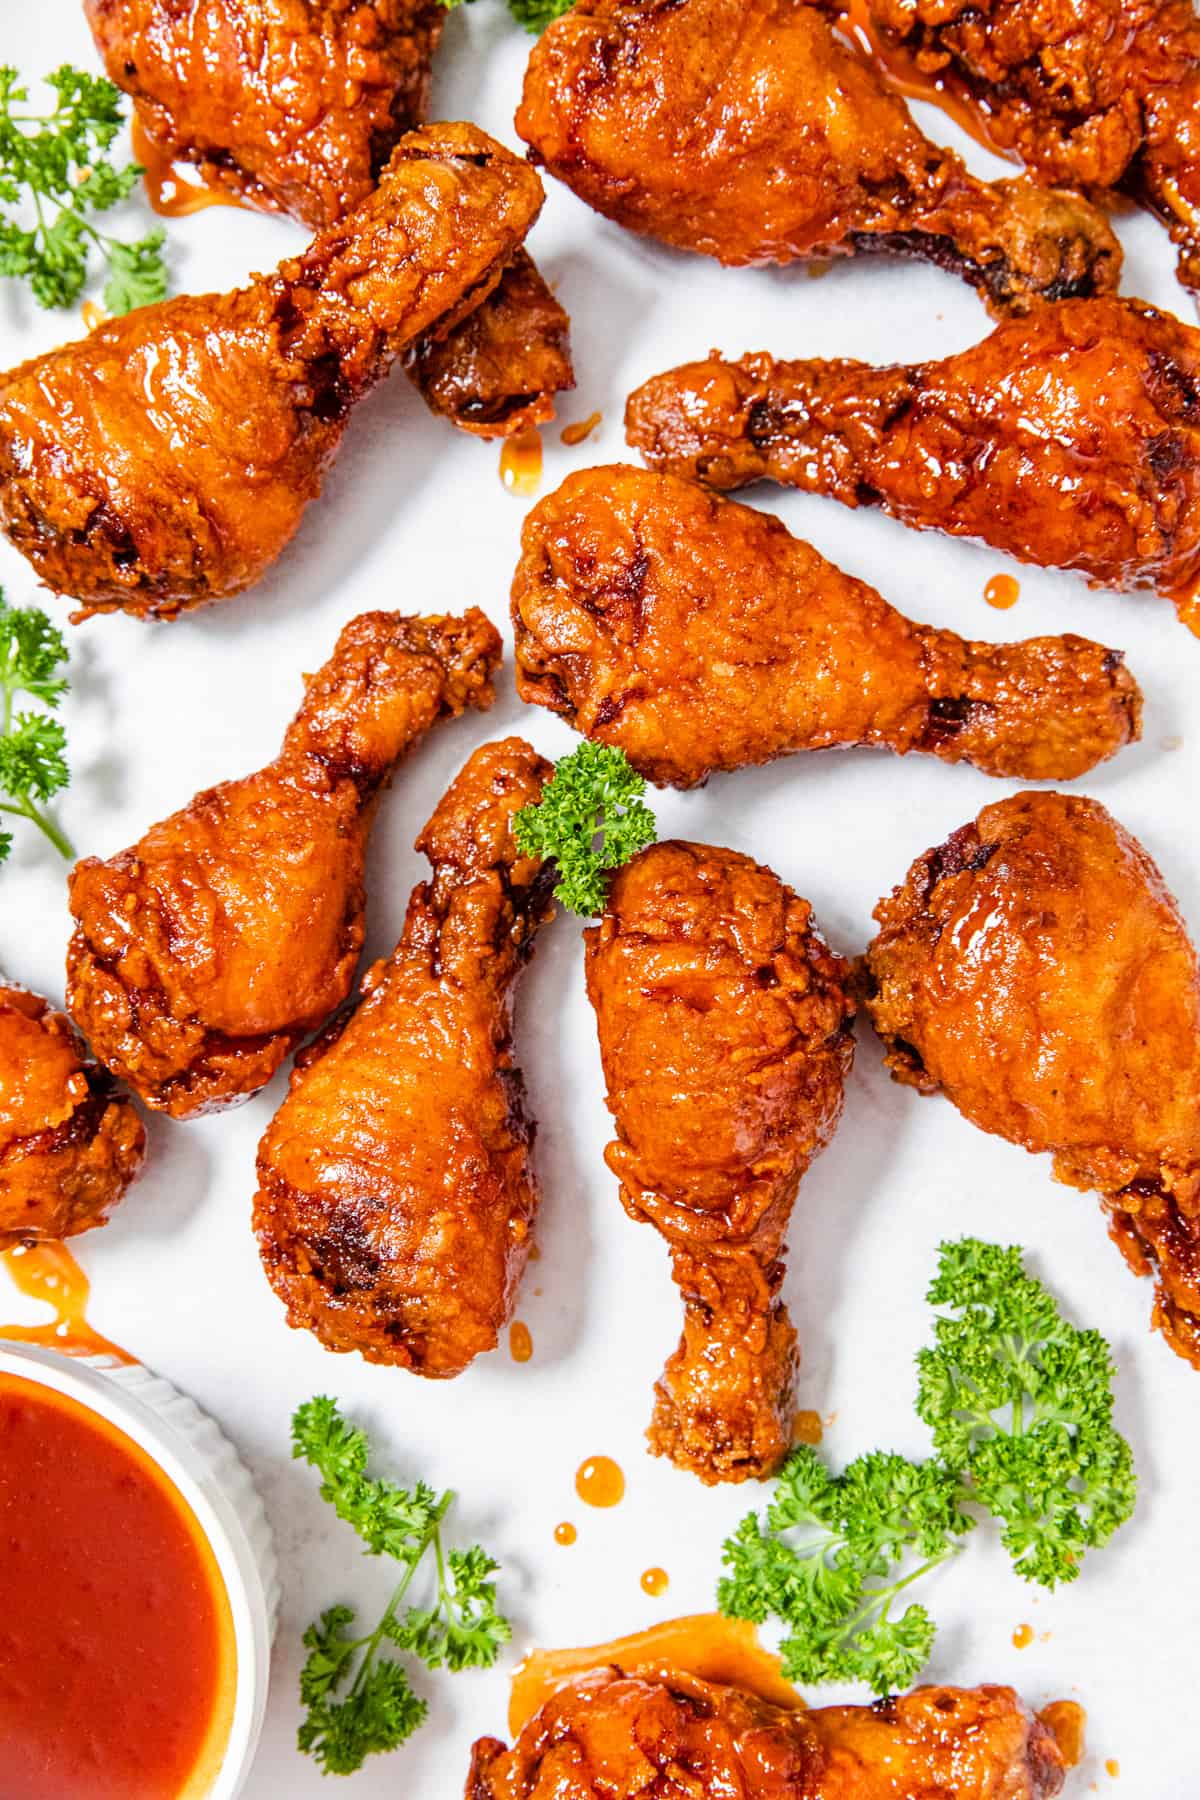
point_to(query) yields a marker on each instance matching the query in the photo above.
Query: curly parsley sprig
(1019, 1402)
(590, 819)
(359, 1702)
(33, 764)
(54, 166)
(534, 15)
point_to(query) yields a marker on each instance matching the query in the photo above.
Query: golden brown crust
(616, 1736)
(748, 130)
(396, 1199)
(1070, 439)
(70, 1144)
(154, 508)
(698, 635)
(1035, 968)
(724, 1033)
(1097, 94)
(202, 955)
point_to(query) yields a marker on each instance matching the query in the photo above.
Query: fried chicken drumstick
(205, 953)
(396, 1199)
(1096, 94)
(698, 635)
(165, 460)
(749, 131)
(724, 1033)
(1070, 439)
(617, 1736)
(69, 1143)
(1036, 969)
(295, 106)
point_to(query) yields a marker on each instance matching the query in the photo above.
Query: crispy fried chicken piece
(69, 1143)
(1070, 439)
(748, 130)
(296, 106)
(616, 1736)
(166, 460)
(1035, 968)
(697, 635)
(396, 1198)
(724, 1033)
(1097, 94)
(205, 953)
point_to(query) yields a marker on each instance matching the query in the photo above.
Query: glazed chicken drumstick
(698, 635)
(613, 1735)
(748, 130)
(395, 1196)
(296, 106)
(69, 1143)
(1036, 969)
(165, 460)
(1070, 439)
(1096, 94)
(207, 951)
(724, 1033)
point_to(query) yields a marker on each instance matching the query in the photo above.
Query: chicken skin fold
(1036, 969)
(1070, 439)
(1097, 94)
(749, 131)
(165, 460)
(295, 106)
(613, 1735)
(395, 1194)
(724, 1034)
(698, 635)
(70, 1145)
(206, 952)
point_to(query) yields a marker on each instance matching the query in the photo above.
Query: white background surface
(414, 517)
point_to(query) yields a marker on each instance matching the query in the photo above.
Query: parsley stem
(432, 1536)
(45, 824)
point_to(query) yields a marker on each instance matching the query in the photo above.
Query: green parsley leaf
(54, 168)
(33, 764)
(534, 15)
(590, 818)
(460, 1629)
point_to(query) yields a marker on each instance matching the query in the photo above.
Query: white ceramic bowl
(203, 1466)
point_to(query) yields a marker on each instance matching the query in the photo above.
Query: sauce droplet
(93, 314)
(725, 1651)
(49, 1273)
(1022, 1637)
(521, 462)
(582, 428)
(1066, 1720)
(169, 195)
(1002, 591)
(815, 270)
(520, 1342)
(655, 1582)
(807, 1428)
(1112, 1767)
(565, 1533)
(600, 1481)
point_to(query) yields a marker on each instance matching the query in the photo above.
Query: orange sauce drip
(582, 428)
(170, 196)
(565, 1533)
(1189, 613)
(1002, 591)
(726, 1651)
(521, 462)
(93, 314)
(807, 1428)
(907, 79)
(49, 1273)
(655, 1582)
(1022, 1637)
(1112, 1767)
(520, 1342)
(1066, 1721)
(600, 1481)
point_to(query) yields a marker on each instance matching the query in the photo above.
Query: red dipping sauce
(117, 1663)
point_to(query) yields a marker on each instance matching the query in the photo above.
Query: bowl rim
(97, 1383)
